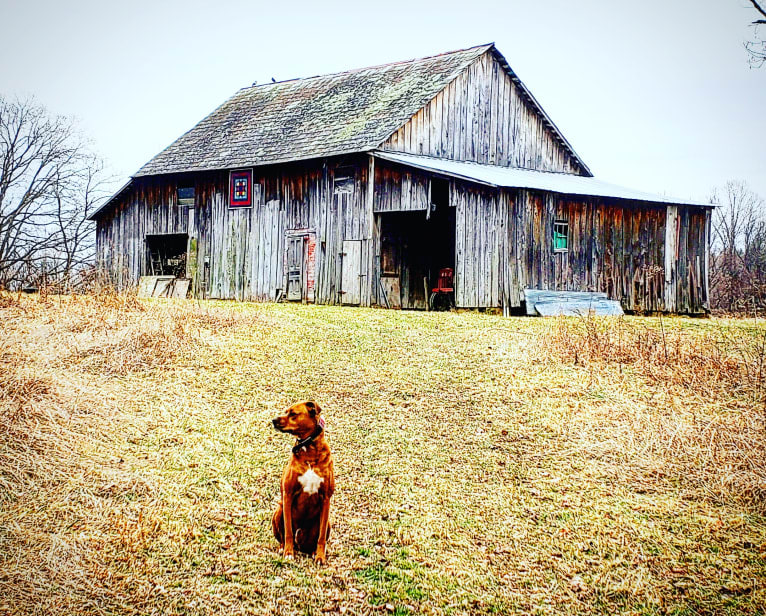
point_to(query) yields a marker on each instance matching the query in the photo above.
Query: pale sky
(654, 95)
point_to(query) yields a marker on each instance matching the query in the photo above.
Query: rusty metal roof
(306, 118)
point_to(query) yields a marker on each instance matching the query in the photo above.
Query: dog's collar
(303, 443)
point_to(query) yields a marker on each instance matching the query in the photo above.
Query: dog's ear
(313, 407)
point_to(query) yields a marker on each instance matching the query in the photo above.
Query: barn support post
(191, 252)
(368, 291)
(671, 251)
(706, 260)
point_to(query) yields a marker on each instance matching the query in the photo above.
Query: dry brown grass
(708, 425)
(485, 465)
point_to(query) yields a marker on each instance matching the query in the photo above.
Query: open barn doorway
(166, 255)
(414, 247)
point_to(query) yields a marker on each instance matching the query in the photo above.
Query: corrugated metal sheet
(562, 183)
(569, 303)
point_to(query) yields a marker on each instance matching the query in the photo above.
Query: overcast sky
(654, 95)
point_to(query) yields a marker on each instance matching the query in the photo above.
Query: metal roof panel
(511, 177)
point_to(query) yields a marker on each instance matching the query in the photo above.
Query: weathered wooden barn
(359, 187)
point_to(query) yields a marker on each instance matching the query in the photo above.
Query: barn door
(300, 262)
(295, 268)
(351, 284)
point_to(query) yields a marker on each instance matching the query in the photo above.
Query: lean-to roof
(512, 177)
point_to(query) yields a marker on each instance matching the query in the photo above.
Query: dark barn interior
(415, 246)
(166, 254)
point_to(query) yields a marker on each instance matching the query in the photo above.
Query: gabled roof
(511, 177)
(537, 106)
(328, 115)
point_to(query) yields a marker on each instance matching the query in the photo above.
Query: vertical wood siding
(503, 238)
(616, 247)
(120, 235)
(398, 189)
(241, 252)
(505, 244)
(484, 232)
(483, 116)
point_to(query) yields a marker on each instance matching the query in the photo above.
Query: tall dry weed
(55, 492)
(713, 359)
(706, 423)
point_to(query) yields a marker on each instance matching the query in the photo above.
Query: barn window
(344, 180)
(560, 235)
(185, 195)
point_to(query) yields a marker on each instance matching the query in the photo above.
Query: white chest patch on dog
(310, 481)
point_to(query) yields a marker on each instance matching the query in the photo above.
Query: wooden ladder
(155, 261)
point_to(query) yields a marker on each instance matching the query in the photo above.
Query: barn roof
(510, 177)
(327, 115)
(313, 117)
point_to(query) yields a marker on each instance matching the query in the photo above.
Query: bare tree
(49, 183)
(756, 48)
(738, 264)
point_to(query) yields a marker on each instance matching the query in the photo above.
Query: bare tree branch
(756, 48)
(738, 263)
(49, 182)
(760, 10)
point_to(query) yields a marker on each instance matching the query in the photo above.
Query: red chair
(443, 294)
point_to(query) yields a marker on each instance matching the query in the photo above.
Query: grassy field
(485, 465)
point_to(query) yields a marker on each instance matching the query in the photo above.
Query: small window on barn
(560, 235)
(185, 195)
(344, 180)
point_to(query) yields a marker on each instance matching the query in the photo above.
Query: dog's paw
(320, 559)
(289, 555)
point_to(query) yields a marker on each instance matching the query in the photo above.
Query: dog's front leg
(287, 512)
(324, 520)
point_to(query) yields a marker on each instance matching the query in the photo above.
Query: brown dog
(302, 518)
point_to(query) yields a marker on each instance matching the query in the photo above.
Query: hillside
(484, 464)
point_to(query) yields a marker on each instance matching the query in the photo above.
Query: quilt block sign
(241, 188)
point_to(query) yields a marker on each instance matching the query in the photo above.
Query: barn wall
(505, 244)
(150, 209)
(483, 116)
(484, 239)
(240, 253)
(503, 237)
(399, 189)
(615, 246)
(691, 262)
(239, 249)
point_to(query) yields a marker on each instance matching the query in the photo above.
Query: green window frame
(560, 235)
